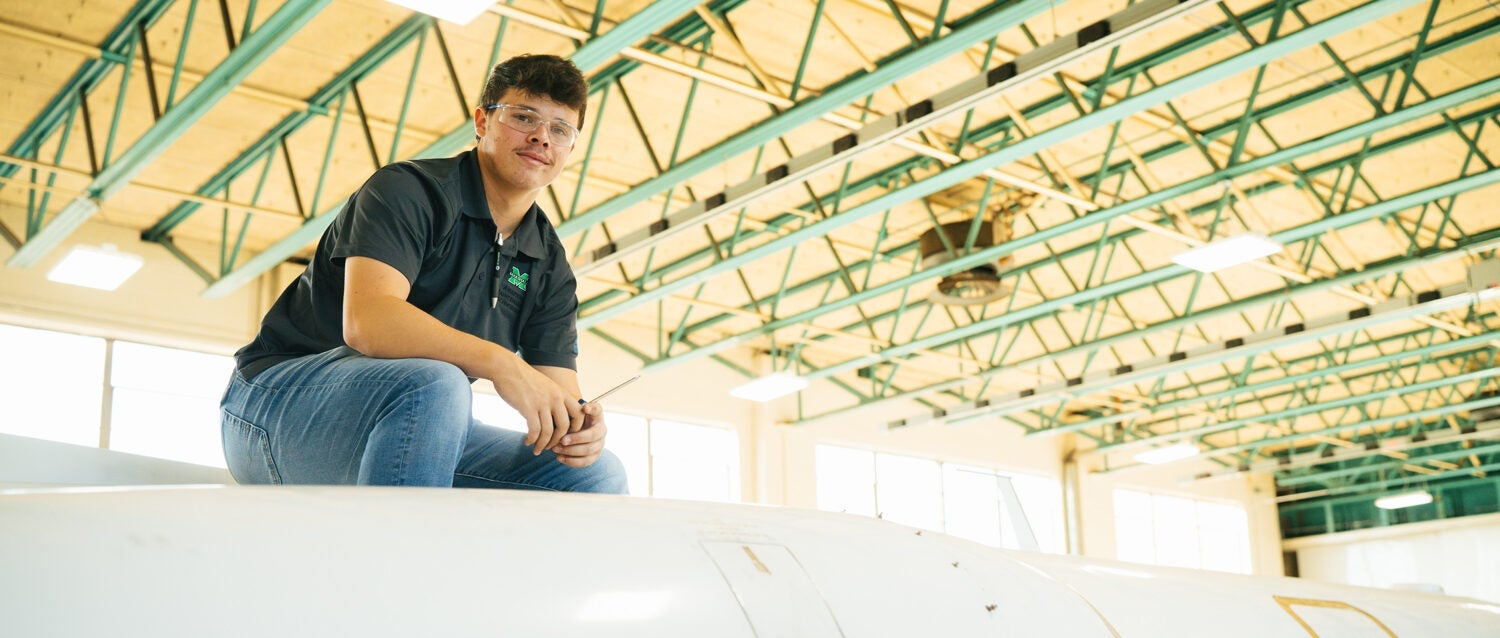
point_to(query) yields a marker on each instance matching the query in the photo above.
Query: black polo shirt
(429, 220)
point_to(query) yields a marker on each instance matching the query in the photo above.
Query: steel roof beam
(1377, 444)
(319, 104)
(1467, 36)
(1176, 49)
(1487, 241)
(1317, 502)
(593, 53)
(1404, 481)
(961, 172)
(1372, 468)
(279, 27)
(1477, 341)
(840, 94)
(1471, 35)
(1315, 405)
(1249, 345)
(968, 261)
(1409, 417)
(1477, 243)
(113, 51)
(1110, 32)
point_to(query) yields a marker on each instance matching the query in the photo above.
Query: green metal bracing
(1397, 143)
(689, 28)
(971, 168)
(115, 51)
(114, 175)
(1238, 386)
(1490, 464)
(1372, 270)
(1408, 419)
(1168, 53)
(588, 57)
(1460, 39)
(1351, 473)
(1389, 377)
(1455, 41)
(1274, 159)
(1467, 36)
(984, 24)
(1464, 479)
(660, 273)
(320, 104)
(1044, 398)
(1454, 497)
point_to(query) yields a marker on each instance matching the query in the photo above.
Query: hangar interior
(962, 224)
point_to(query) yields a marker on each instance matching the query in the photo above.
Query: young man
(435, 272)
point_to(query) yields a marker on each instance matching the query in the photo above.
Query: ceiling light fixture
(455, 11)
(102, 268)
(1168, 454)
(1409, 499)
(1230, 251)
(773, 386)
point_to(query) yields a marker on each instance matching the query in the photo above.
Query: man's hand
(550, 411)
(582, 448)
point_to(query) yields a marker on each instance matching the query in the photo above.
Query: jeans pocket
(247, 451)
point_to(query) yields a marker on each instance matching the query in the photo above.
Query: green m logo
(518, 278)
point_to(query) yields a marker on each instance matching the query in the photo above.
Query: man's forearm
(564, 377)
(390, 328)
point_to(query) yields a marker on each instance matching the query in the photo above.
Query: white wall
(789, 476)
(1461, 555)
(160, 304)
(1255, 492)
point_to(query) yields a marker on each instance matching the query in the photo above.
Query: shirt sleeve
(550, 337)
(389, 219)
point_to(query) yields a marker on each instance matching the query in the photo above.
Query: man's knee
(440, 391)
(437, 377)
(606, 475)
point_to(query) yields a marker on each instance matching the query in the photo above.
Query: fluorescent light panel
(1168, 454)
(455, 11)
(1230, 251)
(102, 268)
(1398, 501)
(770, 387)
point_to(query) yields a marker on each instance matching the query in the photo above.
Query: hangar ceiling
(755, 178)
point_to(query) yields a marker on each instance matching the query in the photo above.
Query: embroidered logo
(518, 278)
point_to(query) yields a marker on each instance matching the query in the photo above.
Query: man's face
(524, 161)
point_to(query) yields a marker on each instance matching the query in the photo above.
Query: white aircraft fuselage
(329, 561)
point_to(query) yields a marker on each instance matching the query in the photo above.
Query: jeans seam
(265, 444)
(501, 482)
(408, 432)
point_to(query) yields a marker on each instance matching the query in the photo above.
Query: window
(961, 500)
(846, 480)
(909, 491)
(51, 385)
(693, 461)
(1159, 529)
(669, 459)
(165, 402)
(162, 402)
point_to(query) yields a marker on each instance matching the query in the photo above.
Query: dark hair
(547, 76)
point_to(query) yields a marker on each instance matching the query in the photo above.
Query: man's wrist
(501, 363)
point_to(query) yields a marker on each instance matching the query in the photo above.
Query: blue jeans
(342, 418)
